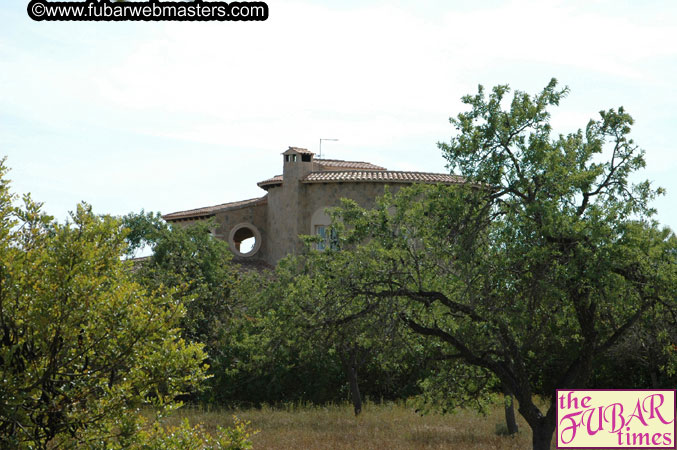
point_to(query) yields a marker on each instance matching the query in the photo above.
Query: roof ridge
(387, 170)
(387, 176)
(343, 160)
(207, 210)
(343, 163)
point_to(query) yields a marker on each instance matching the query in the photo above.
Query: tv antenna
(319, 155)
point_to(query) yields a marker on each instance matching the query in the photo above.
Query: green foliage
(198, 268)
(292, 351)
(185, 437)
(189, 260)
(364, 339)
(253, 360)
(646, 356)
(82, 345)
(453, 385)
(535, 268)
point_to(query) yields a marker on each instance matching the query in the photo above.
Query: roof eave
(381, 180)
(188, 215)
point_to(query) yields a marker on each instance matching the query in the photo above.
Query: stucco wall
(285, 210)
(291, 210)
(281, 223)
(255, 215)
(317, 196)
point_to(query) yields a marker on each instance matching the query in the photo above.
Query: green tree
(646, 356)
(535, 268)
(199, 269)
(191, 261)
(253, 357)
(82, 346)
(305, 307)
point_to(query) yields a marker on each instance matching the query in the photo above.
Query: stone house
(295, 204)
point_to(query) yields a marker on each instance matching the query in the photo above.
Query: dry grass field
(389, 426)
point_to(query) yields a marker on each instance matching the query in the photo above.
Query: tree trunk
(542, 436)
(542, 426)
(350, 369)
(510, 422)
(354, 390)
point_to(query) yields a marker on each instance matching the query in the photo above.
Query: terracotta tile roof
(203, 213)
(303, 151)
(354, 174)
(327, 164)
(277, 179)
(380, 176)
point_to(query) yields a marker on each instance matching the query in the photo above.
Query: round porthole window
(244, 239)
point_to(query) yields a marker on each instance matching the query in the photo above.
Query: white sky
(173, 116)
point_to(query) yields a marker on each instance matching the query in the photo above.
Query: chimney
(297, 163)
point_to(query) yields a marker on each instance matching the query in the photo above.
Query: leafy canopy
(83, 346)
(534, 268)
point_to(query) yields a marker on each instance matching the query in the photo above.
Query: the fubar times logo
(616, 418)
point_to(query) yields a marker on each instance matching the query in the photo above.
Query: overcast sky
(173, 116)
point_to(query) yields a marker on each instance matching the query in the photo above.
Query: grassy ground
(387, 426)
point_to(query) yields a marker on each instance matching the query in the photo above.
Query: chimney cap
(298, 150)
